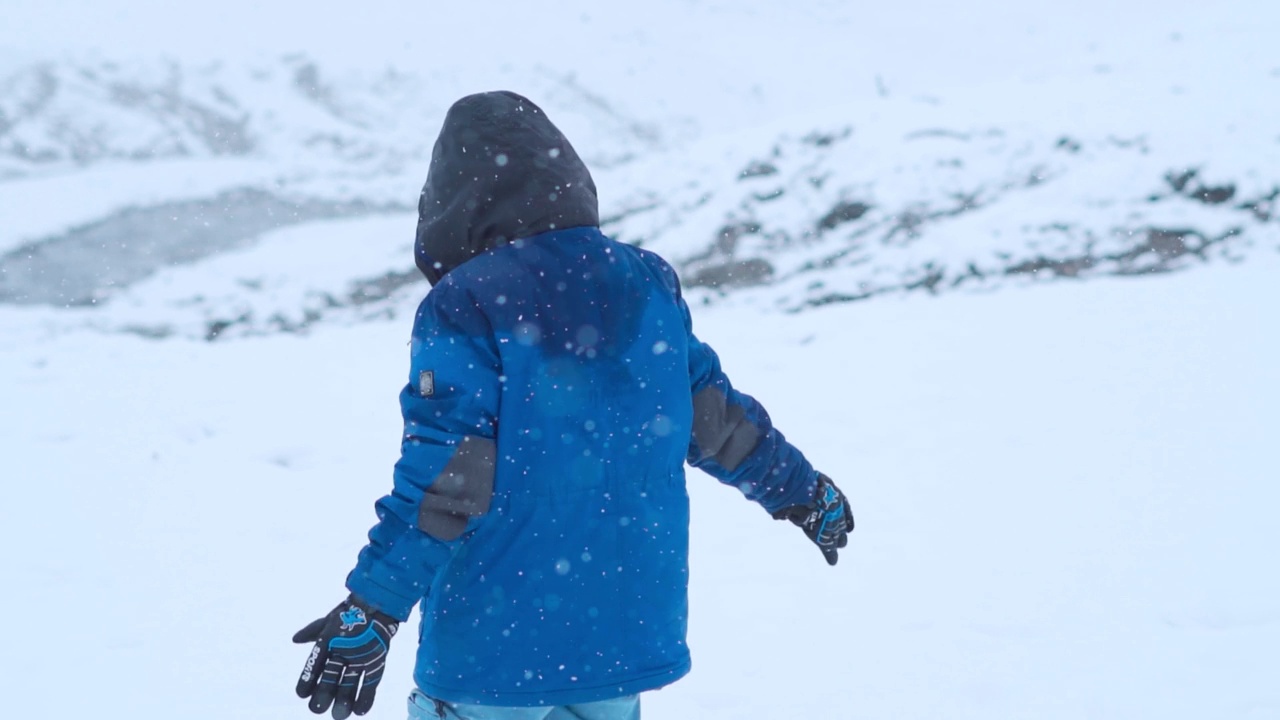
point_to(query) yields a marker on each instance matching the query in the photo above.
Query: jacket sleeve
(735, 441)
(443, 482)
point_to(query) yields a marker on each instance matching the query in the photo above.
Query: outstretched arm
(443, 484)
(735, 441)
(444, 478)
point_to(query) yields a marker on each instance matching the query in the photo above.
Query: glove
(827, 520)
(350, 642)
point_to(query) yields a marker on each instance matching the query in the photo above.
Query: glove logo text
(311, 663)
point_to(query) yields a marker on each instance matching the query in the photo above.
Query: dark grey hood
(499, 171)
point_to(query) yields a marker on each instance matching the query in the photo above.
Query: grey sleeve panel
(721, 430)
(463, 490)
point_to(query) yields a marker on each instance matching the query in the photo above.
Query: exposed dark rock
(727, 238)
(1156, 252)
(834, 298)
(1263, 208)
(1161, 247)
(843, 212)
(932, 278)
(758, 168)
(1214, 195)
(1070, 267)
(1068, 144)
(1169, 244)
(939, 133)
(150, 332)
(214, 329)
(972, 272)
(908, 223)
(823, 139)
(736, 273)
(382, 287)
(1178, 180)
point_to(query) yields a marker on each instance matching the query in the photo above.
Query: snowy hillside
(895, 196)
(169, 163)
(893, 204)
(1147, 148)
(1005, 271)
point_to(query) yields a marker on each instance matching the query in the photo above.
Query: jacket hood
(500, 170)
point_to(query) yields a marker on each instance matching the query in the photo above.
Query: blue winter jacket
(539, 512)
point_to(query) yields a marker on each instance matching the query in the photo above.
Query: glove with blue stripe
(827, 520)
(346, 663)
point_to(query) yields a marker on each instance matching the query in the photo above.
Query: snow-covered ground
(1005, 271)
(1065, 500)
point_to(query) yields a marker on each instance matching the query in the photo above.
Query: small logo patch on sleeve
(427, 383)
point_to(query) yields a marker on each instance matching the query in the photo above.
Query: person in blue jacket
(539, 514)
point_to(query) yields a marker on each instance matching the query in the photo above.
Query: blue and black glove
(346, 663)
(827, 520)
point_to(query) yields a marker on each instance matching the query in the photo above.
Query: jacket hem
(556, 697)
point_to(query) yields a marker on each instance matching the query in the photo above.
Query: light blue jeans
(423, 707)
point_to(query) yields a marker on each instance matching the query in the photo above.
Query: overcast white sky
(789, 54)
